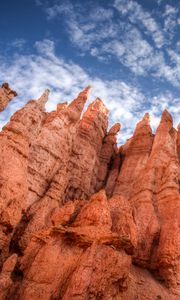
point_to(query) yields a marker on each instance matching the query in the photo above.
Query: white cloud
(170, 19)
(113, 48)
(29, 75)
(101, 14)
(136, 40)
(171, 71)
(85, 31)
(137, 15)
(133, 52)
(46, 47)
(169, 10)
(161, 102)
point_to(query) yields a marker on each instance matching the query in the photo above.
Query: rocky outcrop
(81, 218)
(164, 157)
(52, 148)
(85, 158)
(134, 154)
(15, 140)
(73, 256)
(178, 142)
(48, 179)
(6, 95)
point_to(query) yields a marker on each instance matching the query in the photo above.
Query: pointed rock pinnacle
(43, 99)
(114, 129)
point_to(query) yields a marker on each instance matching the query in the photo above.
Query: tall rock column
(156, 204)
(178, 142)
(167, 200)
(136, 154)
(48, 167)
(52, 148)
(15, 140)
(133, 185)
(82, 167)
(135, 157)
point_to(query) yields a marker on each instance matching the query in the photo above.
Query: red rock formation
(6, 281)
(82, 219)
(15, 140)
(6, 95)
(51, 150)
(113, 174)
(135, 153)
(108, 151)
(165, 157)
(84, 161)
(48, 179)
(178, 141)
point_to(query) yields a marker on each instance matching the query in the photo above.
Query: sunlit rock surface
(81, 218)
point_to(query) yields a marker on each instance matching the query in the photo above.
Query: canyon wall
(80, 217)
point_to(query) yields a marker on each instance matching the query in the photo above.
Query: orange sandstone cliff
(81, 218)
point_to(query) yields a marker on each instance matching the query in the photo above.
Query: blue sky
(129, 51)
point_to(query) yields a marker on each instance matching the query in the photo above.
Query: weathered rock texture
(6, 95)
(81, 218)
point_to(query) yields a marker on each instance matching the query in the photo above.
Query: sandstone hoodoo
(80, 217)
(6, 95)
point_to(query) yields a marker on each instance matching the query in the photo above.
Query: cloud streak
(136, 40)
(31, 74)
(138, 16)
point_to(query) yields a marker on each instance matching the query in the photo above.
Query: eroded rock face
(85, 158)
(135, 154)
(82, 219)
(15, 141)
(6, 95)
(51, 150)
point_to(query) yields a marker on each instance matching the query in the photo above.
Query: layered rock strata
(81, 218)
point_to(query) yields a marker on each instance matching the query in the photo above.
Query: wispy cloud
(170, 19)
(31, 74)
(137, 40)
(18, 43)
(171, 71)
(105, 37)
(86, 26)
(138, 55)
(138, 16)
(170, 10)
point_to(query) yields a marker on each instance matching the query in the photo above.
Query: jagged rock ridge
(81, 218)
